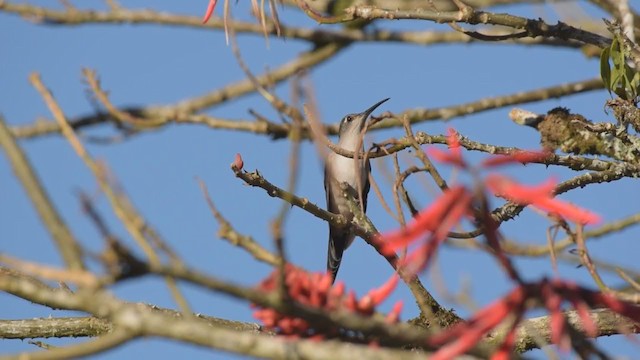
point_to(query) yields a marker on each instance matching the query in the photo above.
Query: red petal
(415, 262)
(337, 290)
(451, 219)
(427, 220)
(506, 348)
(621, 307)
(453, 141)
(446, 157)
(394, 315)
(540, 196)
(380, 294)
(521, 194)
(567, 211)
(454, 155)
(454, 147)
(472, 335)
(286, 326)
(553, 303)
(491, 314)
(350, 302)
(588, 324)
(207, 15)
(522, 157)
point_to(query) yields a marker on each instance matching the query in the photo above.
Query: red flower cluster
(457, 203)
(551, 294)
(315, 290)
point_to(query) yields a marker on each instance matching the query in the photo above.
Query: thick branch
(143, 322)
(607, 322)
(92, 326)
(468, 15)
(95, 346)
(316, 35)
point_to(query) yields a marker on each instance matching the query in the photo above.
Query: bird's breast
(343, 169)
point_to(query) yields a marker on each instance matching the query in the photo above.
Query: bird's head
(352, 124)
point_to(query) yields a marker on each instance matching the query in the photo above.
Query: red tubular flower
(471, 333)
(436, 221)
(394, 315)
(521, 194)
(506, 348)
(621, 307)
(433, 242)
(492, 314)
(378, 295)
(540, 196)
(582, 308)
(210, 8)
(567, 211)
(428, 220)
(553, 303)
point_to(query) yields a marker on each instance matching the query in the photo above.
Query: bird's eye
(348, 118)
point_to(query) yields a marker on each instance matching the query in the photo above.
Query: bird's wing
(330, 204)
(367, 185)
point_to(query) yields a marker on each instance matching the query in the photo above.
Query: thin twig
(427, 304)
(116, 337)
(227, 232)
(67, 244)
(130, 219)
(78, 277)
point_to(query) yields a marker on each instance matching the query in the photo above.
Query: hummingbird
(340, 169)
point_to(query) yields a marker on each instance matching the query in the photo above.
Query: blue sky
(150, 64)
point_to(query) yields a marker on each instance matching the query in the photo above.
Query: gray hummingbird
(340, 169)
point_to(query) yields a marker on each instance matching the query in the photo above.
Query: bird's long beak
(365, 114)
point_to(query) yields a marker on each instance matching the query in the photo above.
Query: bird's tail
(334, 257)
(338, 241)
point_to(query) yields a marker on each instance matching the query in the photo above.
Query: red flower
(463, 336)
(540, 196)
(436, 221)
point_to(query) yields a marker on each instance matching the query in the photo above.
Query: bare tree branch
(67, 244)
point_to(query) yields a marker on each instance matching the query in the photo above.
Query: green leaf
(616, 75)
(634, 84)
(605, 68)
(616, 54)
